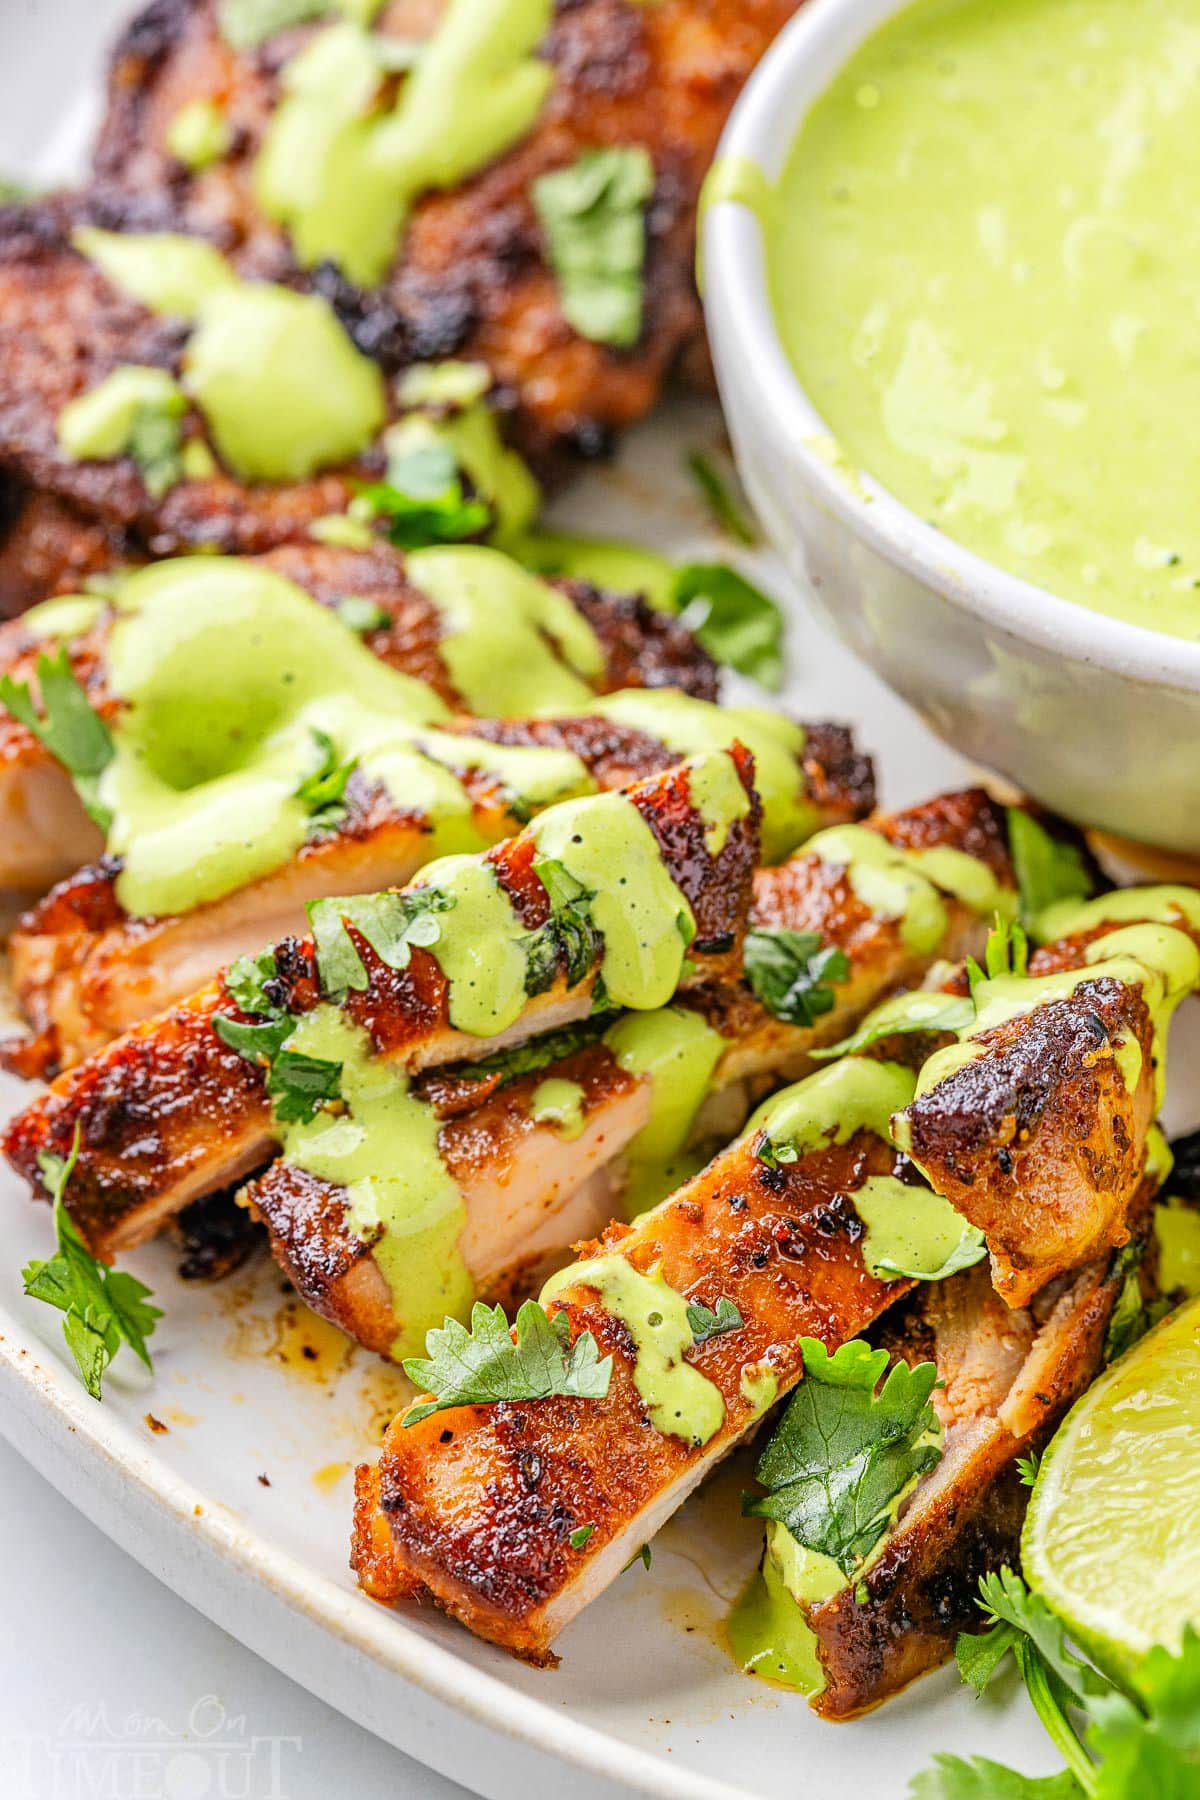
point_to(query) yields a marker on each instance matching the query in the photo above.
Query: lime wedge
(1110, 1539)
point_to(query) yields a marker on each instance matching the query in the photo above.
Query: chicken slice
(452, 1514)
(1035, 1126)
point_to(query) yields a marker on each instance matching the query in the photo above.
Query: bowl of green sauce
(951, 255)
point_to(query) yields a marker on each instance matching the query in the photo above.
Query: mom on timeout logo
(211, 1755)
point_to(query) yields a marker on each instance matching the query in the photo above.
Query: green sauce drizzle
(913, 1232)
(830, 1106)
(678, 1052)
(559, 1103)
(691, 726)
(680, 1401)
(342, 177)
(383, 1150)
(509, 641)
(480, 947)
(908, 884)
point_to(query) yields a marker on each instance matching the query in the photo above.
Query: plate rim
(81, 1431)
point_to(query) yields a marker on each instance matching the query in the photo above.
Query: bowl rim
(797, 69)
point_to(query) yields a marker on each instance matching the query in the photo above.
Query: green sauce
(342, 176)
(681, 1402)
(607, 562)
(769, 1634)
(498, 475)
(1166, 905)
(829, 1107)
(480, 948)
(509, 641)
(68, 616)
(283, 390)
(559, 1103)
(609, 849)
(100, 424)
(1163, 962)
(226, 671)
(983, 255)
(383, 1150)
(678, 1052)
(913, 1232)
(691, 726)
(908, 884)
(1177, 1228)
(199, 134)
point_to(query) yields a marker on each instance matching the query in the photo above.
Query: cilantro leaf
(954, 1778)
(843, 1453)
(323, 792)
(733, 620)
(526, 1059)
(592, 214)
(156, 445)
(708, 1322)
(391, 922)
(103, 1307)
(1006, 953)
(298, 1085)
(1028, 1466)
(72, 732)
(423, 501)
(918, 1011)
(789, 970)
(485, 1365)
(1046, 868)
(579, 1537)
(719, 498)
(568, 940)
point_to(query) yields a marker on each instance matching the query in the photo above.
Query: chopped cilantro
(71, 731)
(1006, 953)
(568, 940)
(487, 1364)
(919, 1011)
(423, 502)
(846, 1449)
(526, 1059)
(593, 216)
(1046, 868)
(580, 1536)
(789, 972)
(718, 496)
(103, 1307)
(156, 445)
(1028, 1466)
(323, 792)
(709, 1322)
(733, 620)
(298, 1085)
(391, 922)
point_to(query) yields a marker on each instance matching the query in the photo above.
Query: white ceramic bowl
(1094, 717)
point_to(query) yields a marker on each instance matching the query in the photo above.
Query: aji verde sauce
(985, 265)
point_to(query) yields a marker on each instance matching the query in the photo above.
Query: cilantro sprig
(1005, 953)
(717, 494)
(1047, 869)
(491, 1362)
(103, 1308)
(791, 972)
(1119, 1741)
(73, 733)
(733, 620)
(593, 218)
(298, 1085)
(846, 1449)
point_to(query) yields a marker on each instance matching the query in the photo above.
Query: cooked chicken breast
(451, 1515)
(84, 971)
(140, 1161)
(48, 834)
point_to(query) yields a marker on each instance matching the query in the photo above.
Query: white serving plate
(646, 1700)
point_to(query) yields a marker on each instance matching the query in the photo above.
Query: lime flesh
(1111, 1539)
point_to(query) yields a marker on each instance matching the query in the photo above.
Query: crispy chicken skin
(84, 971)
(49, 835)
(472, 279)
(1009, 1376)
(474, 1507)
(139, 1159)
(1039, 1141)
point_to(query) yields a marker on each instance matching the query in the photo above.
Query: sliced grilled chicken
(452, 1513)
(169, 1112)
(1035, 1127)
(1009, 1375)
(84, 971)
(49, 835)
